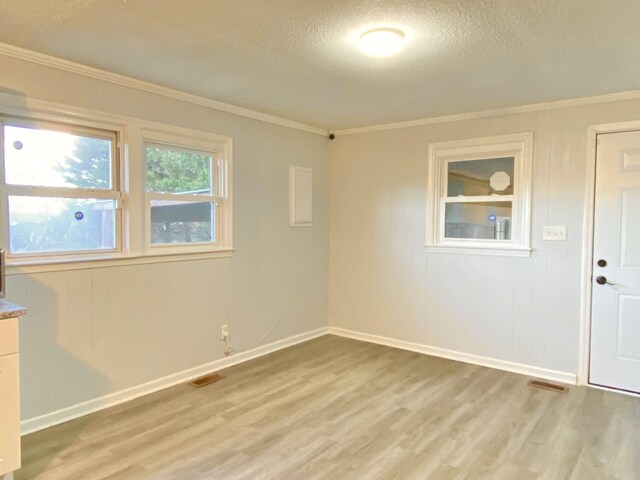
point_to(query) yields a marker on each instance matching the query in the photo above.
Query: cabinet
(9, 391)
(9, 414)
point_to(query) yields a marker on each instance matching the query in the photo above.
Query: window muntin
(183, 196)
(60, 188)
(479, 195)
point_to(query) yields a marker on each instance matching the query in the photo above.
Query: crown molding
(115, 78)
(573, 102)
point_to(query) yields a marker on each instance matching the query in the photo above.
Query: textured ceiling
(297, 58)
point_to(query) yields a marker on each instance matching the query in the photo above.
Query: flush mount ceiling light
(382, 42)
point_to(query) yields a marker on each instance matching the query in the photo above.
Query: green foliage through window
(89, 166)
(178, 171)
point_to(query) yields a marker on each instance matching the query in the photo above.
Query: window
(84, 186)
(185, 186)
(479, 196)
(60, 189)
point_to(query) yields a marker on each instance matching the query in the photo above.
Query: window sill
(64, 264)
(480, 250)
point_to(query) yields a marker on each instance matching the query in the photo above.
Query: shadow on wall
(53, 358)
(53, 365)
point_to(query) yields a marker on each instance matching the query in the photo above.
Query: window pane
(173, 170)
(491, 176)
(181, 222)
(478, 220)
(50, 158)
(45, 224)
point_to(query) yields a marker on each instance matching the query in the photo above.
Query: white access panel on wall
(300, 196)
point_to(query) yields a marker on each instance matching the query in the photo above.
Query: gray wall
(93, 332)
(383, 282)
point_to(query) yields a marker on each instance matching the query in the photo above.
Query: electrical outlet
(554, 232)
(224, 332)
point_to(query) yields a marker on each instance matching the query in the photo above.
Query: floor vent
(553, 387)
(206, 380)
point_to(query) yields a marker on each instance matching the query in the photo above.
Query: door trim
(588, 236)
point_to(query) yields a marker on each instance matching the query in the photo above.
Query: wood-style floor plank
(334, 408)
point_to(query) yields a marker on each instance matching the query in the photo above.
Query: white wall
(382, 282)
(93, 332)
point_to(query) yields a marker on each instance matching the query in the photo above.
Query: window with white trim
(60, 190)
(480, 196)
(93, 186)
(186, 207)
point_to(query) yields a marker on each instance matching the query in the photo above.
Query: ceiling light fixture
(382, 42)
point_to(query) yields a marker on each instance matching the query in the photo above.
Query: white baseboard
(531, 371)
(75, 411)
(60, 416)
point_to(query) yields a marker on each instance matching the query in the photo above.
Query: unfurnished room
(319, 240)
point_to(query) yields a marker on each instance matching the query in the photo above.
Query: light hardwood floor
(334, 408)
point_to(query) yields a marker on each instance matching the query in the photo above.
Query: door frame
(588, 237)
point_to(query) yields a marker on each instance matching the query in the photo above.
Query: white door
(615, 324)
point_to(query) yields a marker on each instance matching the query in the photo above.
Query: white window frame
(114, 193)
(132, 178)
(520, 147)
(219, 149)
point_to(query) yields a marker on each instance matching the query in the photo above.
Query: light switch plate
(554, 232)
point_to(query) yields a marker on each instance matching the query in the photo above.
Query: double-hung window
(60, 190)
(186, 201)
(93, 186)
(480, 196)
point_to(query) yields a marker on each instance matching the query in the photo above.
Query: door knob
(603, 281)
(602, 262)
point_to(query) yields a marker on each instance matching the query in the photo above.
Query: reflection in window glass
(175, 221)
(174, 170)
(45, 224)
(478, 220)
(491, 176)
(48, 158)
